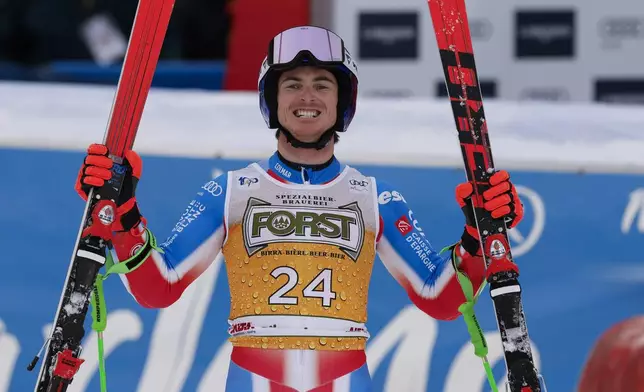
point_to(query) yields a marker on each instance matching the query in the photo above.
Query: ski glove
(501, 200)
(96, 169)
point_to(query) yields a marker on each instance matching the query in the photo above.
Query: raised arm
(159, 274)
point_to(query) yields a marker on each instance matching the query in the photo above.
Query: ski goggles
(326, 48)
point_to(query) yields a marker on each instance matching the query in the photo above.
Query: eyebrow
(321, 78)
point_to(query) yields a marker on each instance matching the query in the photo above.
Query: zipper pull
(305, 176)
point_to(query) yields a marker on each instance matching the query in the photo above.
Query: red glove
(96, 169)
(501, 200)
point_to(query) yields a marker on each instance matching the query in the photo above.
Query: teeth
(307, 113)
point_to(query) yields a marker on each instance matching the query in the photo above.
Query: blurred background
(526, 50)
(563, 86)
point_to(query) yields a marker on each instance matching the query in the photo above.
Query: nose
(307, 95)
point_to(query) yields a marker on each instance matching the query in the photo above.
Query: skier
(299, 232)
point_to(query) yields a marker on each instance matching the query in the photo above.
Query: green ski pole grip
(99, 319)
(476, 334)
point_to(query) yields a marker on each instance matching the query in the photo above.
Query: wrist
(129, 216)
(470, 241)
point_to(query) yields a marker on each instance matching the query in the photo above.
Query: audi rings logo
(524, 241)
(213, 188)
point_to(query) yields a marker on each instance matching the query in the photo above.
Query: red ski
(451, 26)
(63, 347)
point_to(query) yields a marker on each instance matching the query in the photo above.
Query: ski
(62, 357)
(451, 26)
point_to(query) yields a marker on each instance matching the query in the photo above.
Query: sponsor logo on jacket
(265, 223)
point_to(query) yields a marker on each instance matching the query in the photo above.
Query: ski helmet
(316, 46)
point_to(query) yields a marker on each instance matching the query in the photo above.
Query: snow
(515, 341)
(410, 131)
(75, 305)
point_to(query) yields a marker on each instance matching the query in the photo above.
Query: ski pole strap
(97, 300)
(134, 262)
(477, 338)
(99, 323)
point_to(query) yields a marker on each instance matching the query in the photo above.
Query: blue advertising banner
(581, 273)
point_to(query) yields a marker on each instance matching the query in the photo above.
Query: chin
(308, 136)
(309, 131)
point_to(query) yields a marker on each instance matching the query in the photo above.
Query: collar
(291, 172)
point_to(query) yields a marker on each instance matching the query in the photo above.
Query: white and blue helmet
(309, 45)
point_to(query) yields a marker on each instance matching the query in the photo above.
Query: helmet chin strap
(318, 145)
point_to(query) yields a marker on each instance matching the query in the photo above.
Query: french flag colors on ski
(299, 245)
